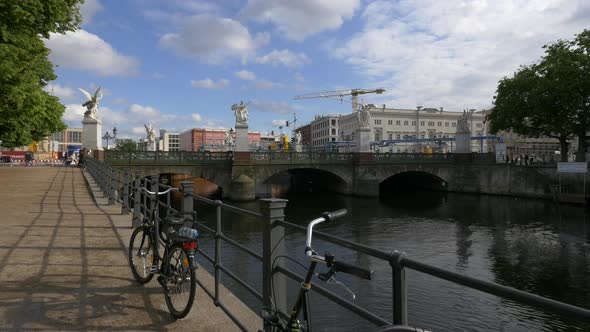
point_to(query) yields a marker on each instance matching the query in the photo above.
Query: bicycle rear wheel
(141, 254)
(180, 281)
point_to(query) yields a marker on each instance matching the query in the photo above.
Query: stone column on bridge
(463, 135)
(363, 136)
(91, 138)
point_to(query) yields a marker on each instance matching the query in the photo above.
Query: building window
(422, 136)
(446, 124)
(431, 123)
(440, 124)
(413, 123)
(333, 131)
(333, 139)
(333, 122)
(406, 123)
(478, 125)
(398, 122)
(454, 124)
(390, 136)
(389, 122)
(422, 123)
(377, 121)
(398, 136)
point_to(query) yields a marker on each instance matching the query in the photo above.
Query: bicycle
(271, 318)
(176, 266)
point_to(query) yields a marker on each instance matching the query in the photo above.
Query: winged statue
(241, 113)
(151, 135)
(92, 103)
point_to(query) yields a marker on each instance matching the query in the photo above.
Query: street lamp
(107, 137)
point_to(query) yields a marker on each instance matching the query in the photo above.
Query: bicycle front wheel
(141, 254)
(180, 281)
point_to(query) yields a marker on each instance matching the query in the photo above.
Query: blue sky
(181, 64)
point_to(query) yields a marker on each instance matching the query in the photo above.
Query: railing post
(218, 234)
(113, 186)
(274, 285)
(137, 217)
(187, 188)
(126, 192)
(400, 300)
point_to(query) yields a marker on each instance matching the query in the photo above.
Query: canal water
(532, 245)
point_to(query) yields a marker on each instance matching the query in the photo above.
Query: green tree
(28, 113)
(126, 144)
(550, 98)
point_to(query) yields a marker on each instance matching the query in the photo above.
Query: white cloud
(271, 106)
(298, 77)
(302, 18)
(60, 91)
(210, 84)
(89, 9)
(197, 117)
(83, 50)
(246, 75)
(157, 75)
(74, 113)
(285, 58)
(277, 123)
(144, 111)
(266, 84)
(452, 54)
(211, 39)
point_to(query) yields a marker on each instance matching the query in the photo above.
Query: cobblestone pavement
(63, 263)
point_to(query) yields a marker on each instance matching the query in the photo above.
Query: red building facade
(202, 139)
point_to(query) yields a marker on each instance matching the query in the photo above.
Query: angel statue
(92, 103)
(364, 117)
(463, 123)
(229, 140)
(241, 113)
(151, 136)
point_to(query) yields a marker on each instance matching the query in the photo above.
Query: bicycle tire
(180, 280)
(140, 259)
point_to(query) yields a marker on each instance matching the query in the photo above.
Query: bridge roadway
(63, 263)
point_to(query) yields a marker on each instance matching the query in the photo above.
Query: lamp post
(418, 145)
(107, 137)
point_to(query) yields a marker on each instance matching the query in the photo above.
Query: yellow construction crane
(338, 94)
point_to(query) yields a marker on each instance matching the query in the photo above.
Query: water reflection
(531, 245)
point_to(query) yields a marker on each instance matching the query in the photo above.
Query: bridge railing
(274, 271)
(278, 157)
(166, 157)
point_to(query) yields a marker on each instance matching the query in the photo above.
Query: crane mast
(338, 94)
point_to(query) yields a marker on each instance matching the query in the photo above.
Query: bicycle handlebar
(351, 269)
(326, 216)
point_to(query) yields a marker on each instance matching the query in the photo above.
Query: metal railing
(166, 157)
(301, 157)
(274, 273)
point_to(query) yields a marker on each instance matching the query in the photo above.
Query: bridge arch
(412, 180)
(300, 179)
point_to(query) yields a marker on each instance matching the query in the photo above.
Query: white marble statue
(297, 137)
(364, 117)
(241, 113)
(92, 103)
(151, 135)
(229, 140)
(463, 123)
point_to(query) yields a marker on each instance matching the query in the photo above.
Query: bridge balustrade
(275, 272)
(166, 157)
(301, 157)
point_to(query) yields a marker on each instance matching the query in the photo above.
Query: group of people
(521, 159)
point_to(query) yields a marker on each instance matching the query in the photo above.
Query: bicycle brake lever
(334, 281)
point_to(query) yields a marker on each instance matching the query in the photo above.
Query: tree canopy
(549, 98)
(27, 112)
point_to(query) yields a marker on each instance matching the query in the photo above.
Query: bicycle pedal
(153, 269)
(162, 282)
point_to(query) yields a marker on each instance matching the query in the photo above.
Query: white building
(324, 129)
(169, 141)
(391, 124)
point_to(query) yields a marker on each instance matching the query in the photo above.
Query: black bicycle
(176, 266)
(272, 319)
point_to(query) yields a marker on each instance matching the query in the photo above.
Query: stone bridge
(244, 176)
